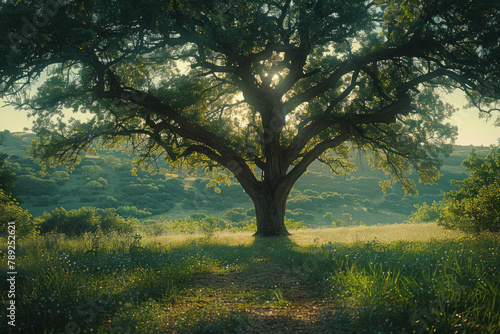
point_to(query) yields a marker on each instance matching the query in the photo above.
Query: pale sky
(471, 129)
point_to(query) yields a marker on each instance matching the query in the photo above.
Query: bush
(174, 186)
(156, 229)
(486, 208)
(72, 223)
(126, 211)
(294, 225)
(103, 181)
(329, 218)
(334, 199)
(11, 211)
(86, 220)
(299, 202)
(198, 216)
(235, 215)
(312, 193)
(210, 224)
(475, 207)
(107, 201)
(92, 171)
(110, 221)
(60, 177)
(425, 213)
(94, 185)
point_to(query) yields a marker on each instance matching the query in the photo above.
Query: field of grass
(406, 278)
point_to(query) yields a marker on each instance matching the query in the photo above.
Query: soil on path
(282, 303)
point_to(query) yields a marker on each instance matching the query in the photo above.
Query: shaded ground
(266, 297)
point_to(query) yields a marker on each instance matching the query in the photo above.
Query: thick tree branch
(186, 129)
(412, 48)
(312, 155)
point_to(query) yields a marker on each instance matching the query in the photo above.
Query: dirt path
(281, 303)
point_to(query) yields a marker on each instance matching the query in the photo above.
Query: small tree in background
(60, 177)
(475, 207)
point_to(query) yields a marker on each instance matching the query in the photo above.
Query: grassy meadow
(404, 278)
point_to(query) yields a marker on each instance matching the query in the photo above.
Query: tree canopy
(259, 89)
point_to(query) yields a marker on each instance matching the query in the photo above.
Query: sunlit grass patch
(383, 233)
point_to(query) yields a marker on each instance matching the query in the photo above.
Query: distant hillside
(105, 181)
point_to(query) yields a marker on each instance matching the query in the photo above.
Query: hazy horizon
(472, 130)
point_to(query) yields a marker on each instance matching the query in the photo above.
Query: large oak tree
(259, 89)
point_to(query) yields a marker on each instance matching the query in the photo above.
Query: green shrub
(110, 221)
(198, 216)
(103, 181)
(475, 207)
(94, 185)
(329, 218)
(211, 224)
(77, 222)
(45, 200)
(312, 193)
(72, 223)
(126, 211)
(425, 213)
(107, 201)
(92, 171)
(294, 225)
(235, 215)
(156, 229)
(60, 177)
(11, 211)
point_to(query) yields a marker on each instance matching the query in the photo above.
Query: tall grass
(448, 286)
(399, 278)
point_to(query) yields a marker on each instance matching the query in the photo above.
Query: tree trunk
(270, 210)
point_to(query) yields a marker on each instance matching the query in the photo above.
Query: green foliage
(103, 182)
(86, 220)
(197, 216)
(211, 224)
(36, 186)
(92, 171)
(133, 211)
(235, 215)
(291, 224)
(11, 211)
(7, 178)
(475, 207)
(95, 186)
(426, 213)
(110, 221)
(60, 177)
(107, 201)
(330, 219)
(71, 223)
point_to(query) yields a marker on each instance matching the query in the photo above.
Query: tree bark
(270, 207)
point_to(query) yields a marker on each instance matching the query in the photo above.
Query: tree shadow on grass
(273, 287)
(250, 287)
